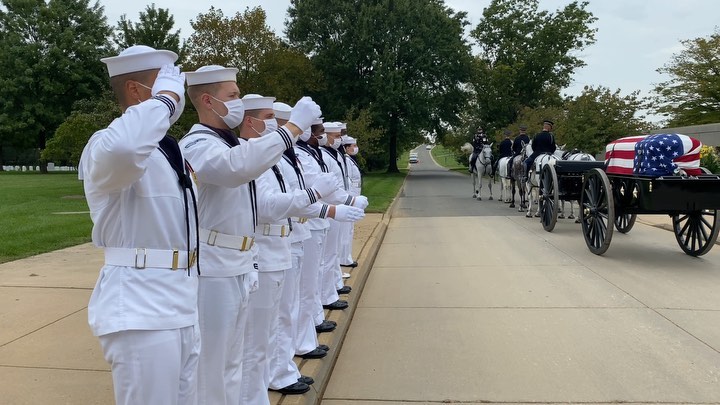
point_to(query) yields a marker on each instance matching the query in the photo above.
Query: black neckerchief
(334, 154)
(290, 157)
(171, 150)
(226, 135)
(314, 151)
(281, 182)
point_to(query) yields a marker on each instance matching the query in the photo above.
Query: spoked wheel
(696, 231)
(624, 222)
(548, 197)
(596, 209)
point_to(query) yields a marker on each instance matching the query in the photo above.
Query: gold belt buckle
(175, 257)
(193, 257)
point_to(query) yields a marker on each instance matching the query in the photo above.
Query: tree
(526, 56)
(50, 58)
(598, 116)
(154, 29)
(692, 95)
(402, 60)
(266, 65)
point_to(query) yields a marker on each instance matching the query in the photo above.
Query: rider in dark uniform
(517, 146)
(478, 141)
(504, 149)
(543, 142)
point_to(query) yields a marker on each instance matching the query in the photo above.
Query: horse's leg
(572, 211)
(512, 193)
(561, 215)
(479, 185)
(490, 182)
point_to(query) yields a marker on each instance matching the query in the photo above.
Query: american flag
(654, 155)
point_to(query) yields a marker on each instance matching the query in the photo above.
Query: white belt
(215, 238)
(299, 220)
(141, 258)
(355, 183)
(275, 230)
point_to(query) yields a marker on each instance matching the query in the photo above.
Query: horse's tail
(467, 148)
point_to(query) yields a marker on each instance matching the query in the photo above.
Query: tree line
(395, 70)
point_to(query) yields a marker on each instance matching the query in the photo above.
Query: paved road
(470, 302)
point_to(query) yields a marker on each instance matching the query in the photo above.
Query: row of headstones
(51, 168)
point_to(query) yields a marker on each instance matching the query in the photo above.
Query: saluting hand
(304, 113)
(170, 81)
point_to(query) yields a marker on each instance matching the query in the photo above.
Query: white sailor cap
(348, 140)
(138, 58)
(342, 125)
(211, 74)
(282, 111)
(257, 102)
(318, 121)
(332, 127)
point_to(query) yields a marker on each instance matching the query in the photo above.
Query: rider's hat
(552, 124)
(523, 127)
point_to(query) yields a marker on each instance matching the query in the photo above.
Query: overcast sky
(634, 38)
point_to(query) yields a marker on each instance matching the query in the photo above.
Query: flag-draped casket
(654, 155)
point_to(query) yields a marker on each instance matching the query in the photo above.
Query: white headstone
(30, 168)
(17, 168)
(37, 168)
(51, 167)
(24, 168)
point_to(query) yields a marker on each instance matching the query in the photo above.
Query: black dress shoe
(345, 290)
(353, 265)
(332, 322)
(294, 389)
(324, 347)
(339, 304)
(306, 380)
(314, 354)
(325, 327)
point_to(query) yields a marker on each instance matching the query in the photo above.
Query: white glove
(346, 213)
(361, 202)
(304, 113)
(325, 184)
(251, 281)
(170, 79)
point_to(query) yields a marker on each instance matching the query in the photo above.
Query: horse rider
(478, 141)
(517, 145)
(543, 142)
(505, 149)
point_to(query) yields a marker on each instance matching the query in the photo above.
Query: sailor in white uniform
(144, 305)
(225, 169)
(284, 374)
(331, 278)
(355, 189)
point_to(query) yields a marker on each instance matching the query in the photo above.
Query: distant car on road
(413, 158)
(428, 147)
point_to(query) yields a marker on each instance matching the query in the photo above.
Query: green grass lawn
(381, 188)
(28, 225)
(28, 201)
(446, 158)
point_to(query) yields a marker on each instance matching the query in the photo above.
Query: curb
(322, 370)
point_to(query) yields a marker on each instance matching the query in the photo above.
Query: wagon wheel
(548, 197)
(624, 222)
(596, 209)
(696, 231)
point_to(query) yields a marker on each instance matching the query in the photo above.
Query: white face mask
(322, 141)
(336, 143)
(305, 135)
(235, 114)
(352, 151)
(270, 126)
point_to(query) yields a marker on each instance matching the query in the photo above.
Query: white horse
(506, 191)
(576, 156)
(483, 167)
(533, 180)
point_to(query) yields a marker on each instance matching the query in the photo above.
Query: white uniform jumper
(355, 189)
(225, 170)
(331, 279)
(276, 205)
(144, 304)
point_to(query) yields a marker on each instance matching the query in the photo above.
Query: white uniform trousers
(306, 337)
(153, 366)
(262, 316)
(223, 309)
(283, 370)
(332, 275)
(347, 243)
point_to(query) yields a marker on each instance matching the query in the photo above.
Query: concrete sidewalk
(49, 356)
